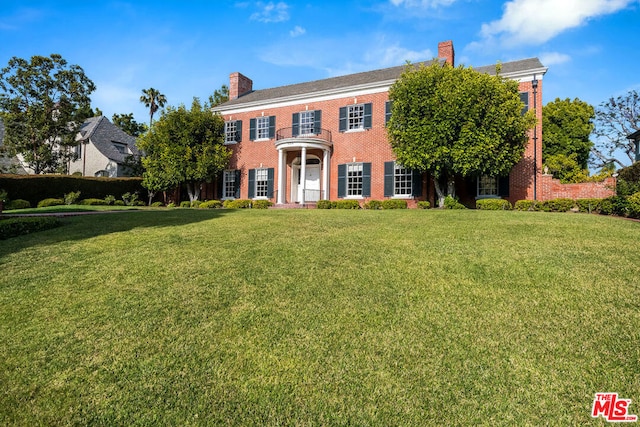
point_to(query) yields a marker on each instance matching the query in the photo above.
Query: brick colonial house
(327, 139)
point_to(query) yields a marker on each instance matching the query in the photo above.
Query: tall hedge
(38, 187)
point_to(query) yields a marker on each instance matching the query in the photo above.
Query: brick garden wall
(551, 188)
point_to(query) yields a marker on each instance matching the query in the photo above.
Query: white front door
(312, 184)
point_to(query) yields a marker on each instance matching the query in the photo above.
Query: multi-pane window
(402, 178)
(230, 131)
(262, 128)
(354, 179)
(307, 119)
(355, 117)
(262, 183)
(487, 186)
(229, 184)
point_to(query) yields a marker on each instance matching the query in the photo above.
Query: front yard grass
(314, 317)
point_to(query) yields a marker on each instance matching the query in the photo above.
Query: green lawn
(319, 317)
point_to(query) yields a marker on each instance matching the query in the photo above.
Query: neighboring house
(8, 164)
(102, 149)
(327, 139)
(635, 137)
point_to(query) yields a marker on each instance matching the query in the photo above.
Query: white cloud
(553, 58)
(297, 31)
(393, 55)
(271, 12)
(537, 21)
(422, 3)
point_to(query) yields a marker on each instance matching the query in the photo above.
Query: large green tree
(219, 96)
(184, 147)
(43, 102)
(456, 122)
(127, 123)
(567, 128)
(615, 120)
(153, 100)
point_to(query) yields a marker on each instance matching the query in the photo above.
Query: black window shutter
(524, 97)
(342, 180)
(366, 179)
(387, 112)
(367, 115)
(416, 183)
(252, 183)
(270, 183)
(272, 127)
(503, 186)
(295, 124)
(237, 185)
(219, 185)
(238, 130)
(317, 121)
(389, 169)
(252, 129)
(343, 119)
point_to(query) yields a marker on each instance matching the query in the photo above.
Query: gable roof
(102, 133)
(363, 79)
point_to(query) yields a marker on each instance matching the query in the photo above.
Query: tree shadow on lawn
(82, 227)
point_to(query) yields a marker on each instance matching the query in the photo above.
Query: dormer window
(122, 148)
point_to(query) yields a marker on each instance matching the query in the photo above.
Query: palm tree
(152, 99)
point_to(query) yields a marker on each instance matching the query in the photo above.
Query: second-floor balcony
(293, 138)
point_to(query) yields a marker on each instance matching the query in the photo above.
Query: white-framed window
(229, 184)
(355, 117)
(307, 119)
(262, 183)
(262, 128)
(230, 130)
(354, 179)
(402, 180)
(487, 186)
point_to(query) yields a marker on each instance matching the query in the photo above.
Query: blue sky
(189, 48)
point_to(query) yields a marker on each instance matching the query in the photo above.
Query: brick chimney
(239, 85)
(445, 51)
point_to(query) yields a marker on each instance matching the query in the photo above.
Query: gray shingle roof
(351, 80)
(103, 134)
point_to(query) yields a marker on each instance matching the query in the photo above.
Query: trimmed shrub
(118, 203)
(237, 204)
(185, 204)
(211, 204)
(17, 204)
(527, 205)
(196, 203)
(13, 227)
(633, 205)
(159, 204)
(110, 199)
(50, 202)
(557, 205)
(424, 204)
(347, 204)
(614, 205)
(171, 205)
(451, 203)
(93, 202)
(325, 204)
(394, 204)
(373, 205)
(71, 197)
(130, 199)
(493, 205)
(589, 205)
(261, 204)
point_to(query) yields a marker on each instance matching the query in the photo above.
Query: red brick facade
(369, 145)
(551, 188)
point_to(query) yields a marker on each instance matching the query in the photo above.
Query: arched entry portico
(309, 179)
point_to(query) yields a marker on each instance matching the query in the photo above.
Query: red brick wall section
(239, 85)
(551, 188)
(446, 52)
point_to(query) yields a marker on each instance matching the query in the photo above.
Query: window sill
(354, 130)
(353, 197)
(490, 196)
(403, 196)
(230, 142)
